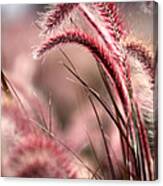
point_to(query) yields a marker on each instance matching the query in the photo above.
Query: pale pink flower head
(38, 156)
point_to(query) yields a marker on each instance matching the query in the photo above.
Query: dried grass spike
(109, 14)
(54, 17)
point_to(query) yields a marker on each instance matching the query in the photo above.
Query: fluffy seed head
(39, 156)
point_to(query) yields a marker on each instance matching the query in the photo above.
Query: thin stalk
(16, 96)
(110, 164)
(95, 154)
(118, 114)
(96, 170)
(104, 78)
(42, 117)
